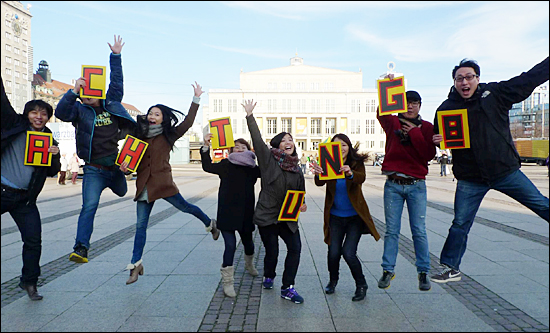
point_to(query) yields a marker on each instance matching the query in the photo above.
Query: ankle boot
(135, 270)
(227, 280)
(249, 265)
(331, 286)
(31, 291)
(360, 293)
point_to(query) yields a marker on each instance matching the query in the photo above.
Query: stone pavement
(504, 287)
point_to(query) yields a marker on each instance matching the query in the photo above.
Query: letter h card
(132, 152)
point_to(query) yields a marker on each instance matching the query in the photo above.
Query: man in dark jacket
(21, 183)
(99, 124)
(491, 162)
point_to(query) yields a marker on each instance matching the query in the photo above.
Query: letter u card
(453, 125)
(331, 160)
(391, 96)
(132, 152)
(96, 81)
(222, 133)
(291, 206)
(36, 149)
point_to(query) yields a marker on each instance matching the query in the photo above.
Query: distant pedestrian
(346, 217)
(236, 198)
(160, 129)
(409, 149)
(443, 163)
(303, 163)
(74, 167)
(63, 170)
(21, 184)
(280, 172)
(492, 162)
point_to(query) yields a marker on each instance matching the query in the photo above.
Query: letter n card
(36, 149)
(391, 96)
(331, 160)
(96, 81)
(291, 206)
(132, 151)
(222, 133)
(453, 125)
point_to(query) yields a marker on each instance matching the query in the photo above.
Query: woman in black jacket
(238, 174)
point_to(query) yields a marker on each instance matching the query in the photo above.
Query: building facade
(17, 54)
(529, 119)
(312, 103)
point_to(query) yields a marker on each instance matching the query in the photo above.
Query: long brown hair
(353, 154)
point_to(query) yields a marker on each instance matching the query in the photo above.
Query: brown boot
(212, 228)
(31, 291)
(134, 272)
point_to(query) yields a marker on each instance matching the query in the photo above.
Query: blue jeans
(395, 196)
(144, 211)
(230, 241)
(95, 180)
(468, 198)
(345, 234)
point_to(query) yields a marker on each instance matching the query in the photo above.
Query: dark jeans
(270, 238)
(345, 233)
(230, 241)
(27, 219)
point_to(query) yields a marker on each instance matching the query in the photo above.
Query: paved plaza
(504, 285)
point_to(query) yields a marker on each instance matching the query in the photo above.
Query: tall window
(330, 127)
(234, 125)
(271, 125)
(316, 126)
(244, 126)
(286, 125)
(355, 126)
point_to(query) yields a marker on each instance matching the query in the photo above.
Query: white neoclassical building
(312, 103)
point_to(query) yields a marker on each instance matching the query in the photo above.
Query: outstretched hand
(117, 47)
(207, 138)
(249, 107)
(198, 89)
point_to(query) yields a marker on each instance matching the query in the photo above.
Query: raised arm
(116, 85)
(260, 148)
(190, 118)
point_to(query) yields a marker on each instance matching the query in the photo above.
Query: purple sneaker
(268, 283)
(292, 295)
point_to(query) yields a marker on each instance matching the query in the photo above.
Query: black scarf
(404, 138)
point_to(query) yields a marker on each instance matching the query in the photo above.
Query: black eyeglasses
(415, 103)
(468, 78)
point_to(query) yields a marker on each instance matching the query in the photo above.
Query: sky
(170, 44)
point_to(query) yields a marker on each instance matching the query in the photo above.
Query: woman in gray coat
(281, 172)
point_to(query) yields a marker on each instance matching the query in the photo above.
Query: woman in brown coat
(346, 217)
(154, 174)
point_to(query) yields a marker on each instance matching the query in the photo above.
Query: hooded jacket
(492, 153)
(83, 116)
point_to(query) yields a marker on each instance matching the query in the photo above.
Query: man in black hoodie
(492, 161)
(21, 183)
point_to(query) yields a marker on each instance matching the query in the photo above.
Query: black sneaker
(79, 255)
(423, 282)
(330, 288)
(449, 274)
(384, 282)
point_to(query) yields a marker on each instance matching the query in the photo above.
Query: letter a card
(453, 125)
(331, 160)
(391, 96)
(222, 133)
(132, 152)
(96, 81)
(36, 149)
(291, 206)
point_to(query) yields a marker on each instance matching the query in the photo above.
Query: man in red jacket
(409, 147)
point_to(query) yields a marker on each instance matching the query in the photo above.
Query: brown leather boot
(134, 272)
(31, 291)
